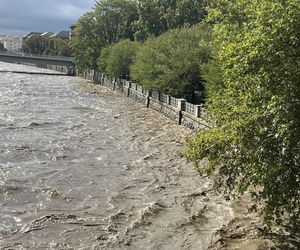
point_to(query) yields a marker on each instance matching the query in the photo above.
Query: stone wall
(178, 110)
(168, 110)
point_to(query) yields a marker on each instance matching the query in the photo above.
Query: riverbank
(64, 138)
(245, 230)
(81, 167)
(178, 110)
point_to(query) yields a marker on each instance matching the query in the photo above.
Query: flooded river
(81, 167)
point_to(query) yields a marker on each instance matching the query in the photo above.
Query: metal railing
(174, 102)
(189, 108)
(139, 88)
(22, 54)
(163, 98)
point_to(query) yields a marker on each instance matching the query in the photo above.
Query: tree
(35, 44)
(86, 44)
(190, 12)
(110, 22)
(46, 46)
(103, 59)
(114, 20)
(158, 16)
(2, 48)
(254, 105)
(171, 63)
(116, 59)
(149, 21)
(61, 47)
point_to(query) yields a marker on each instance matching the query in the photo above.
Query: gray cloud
(19, 17)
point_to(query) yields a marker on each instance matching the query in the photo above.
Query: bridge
(19, 57)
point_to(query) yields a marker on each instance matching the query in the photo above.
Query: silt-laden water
(81, 167)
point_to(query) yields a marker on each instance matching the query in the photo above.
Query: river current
(82, 167)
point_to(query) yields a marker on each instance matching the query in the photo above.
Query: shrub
(172, 62)
(255, 109)
(117, 58)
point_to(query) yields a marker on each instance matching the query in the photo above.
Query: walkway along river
(83, 168)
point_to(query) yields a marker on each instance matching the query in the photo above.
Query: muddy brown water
(82, 167)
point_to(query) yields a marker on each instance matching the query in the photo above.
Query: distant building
(71, 31)
(11, 43)
(31, 34)
(47, 34)
(62, 34)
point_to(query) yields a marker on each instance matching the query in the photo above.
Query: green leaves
(171, 63)
(117, 58)
(156, 17)
(86, 44)
(254, 91)
(47, 46)
(114, 20)
(110, 22)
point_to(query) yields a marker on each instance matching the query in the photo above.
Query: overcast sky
(18, 17)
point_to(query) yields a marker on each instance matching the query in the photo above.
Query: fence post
(102, 79)
(181, 107)
(97, 78)
(128, 88)
(122, 85)
(93, 76)
(168, 100)
(148, 99)
(114, 84)
(198, 111)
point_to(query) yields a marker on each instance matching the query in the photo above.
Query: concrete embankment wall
(178, 110)
(63, 69)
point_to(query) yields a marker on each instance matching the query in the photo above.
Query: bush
(172, 62)
(255, 108)
(117, 58)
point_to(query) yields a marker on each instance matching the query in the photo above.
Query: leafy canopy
(114, 20)
(110, 22)
(254, 103)
(117, 58)
(171, 63)
(158, 16)
(47, 46)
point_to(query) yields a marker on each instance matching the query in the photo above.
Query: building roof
(62, 34)
(32, 34)
(47, 34)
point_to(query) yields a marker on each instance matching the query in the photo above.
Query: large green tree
(60, 46)
(172, 62)
(254, 104)
(149, 21)
(114, 20)
(46, 46)
(35, 44)
(108, 23)
(158, 16)
(116, 59)
(86, 44)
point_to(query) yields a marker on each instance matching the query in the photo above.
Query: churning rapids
(83, 168)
